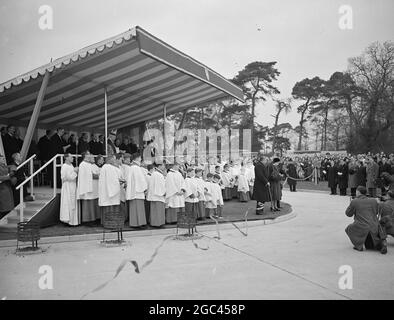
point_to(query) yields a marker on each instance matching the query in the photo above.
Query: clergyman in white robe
(243, 187)
(135, 195)
(201, 189)
(109, 189)
(175, 200)
(69, 212)
(156, 197)
(87, 199)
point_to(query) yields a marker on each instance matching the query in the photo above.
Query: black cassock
(262, 173)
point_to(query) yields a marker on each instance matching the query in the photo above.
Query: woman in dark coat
(275, 185)
(332, 176)
(291, 172)
(261, 192)
(342, 177)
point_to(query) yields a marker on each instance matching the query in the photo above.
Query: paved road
(296, 259)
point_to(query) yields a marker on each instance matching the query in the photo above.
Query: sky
(302, 36)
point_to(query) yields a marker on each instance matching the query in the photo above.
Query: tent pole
(164, 128)
(106, 120)
(34, 117)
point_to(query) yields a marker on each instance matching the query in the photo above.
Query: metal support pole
(54, 177)
(164, 128)
(32, 180)
(34, 117)
(106, 120)
(21, 204)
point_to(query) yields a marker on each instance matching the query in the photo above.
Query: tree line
(353, 109)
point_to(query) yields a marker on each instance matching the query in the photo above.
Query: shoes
(358, 249)
(383, 249)
(260, 212)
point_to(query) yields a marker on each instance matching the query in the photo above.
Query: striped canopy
(140, 73)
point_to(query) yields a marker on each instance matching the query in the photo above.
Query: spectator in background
(343, 176)
(6, 195)
(73, 142)
(353, 183)
(361, 173)
(18, 177)
(102, 144)
(45, 147)
(372, 176)
(10, 143)
(332, 177)
(83, 144)
(95, 146)
(125, 146)
(19, 141)
(133, 147)
(3, 131)
(58, 145)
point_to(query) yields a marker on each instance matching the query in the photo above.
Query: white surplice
(174, 184)
(69, 212)
(201, 185)
(96, 171)
(109, 185)
(156, 187)
(243, 183)
(191, 189)
(85, 182)
(136, 183)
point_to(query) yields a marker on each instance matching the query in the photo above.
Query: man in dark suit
(10, 144)
(45, 147)
(95, 146)
(58, 147)
(365, 230)
(261, 188)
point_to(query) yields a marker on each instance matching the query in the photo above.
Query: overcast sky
(303, 36)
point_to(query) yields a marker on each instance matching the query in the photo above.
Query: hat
(113, 132)
(276, 160)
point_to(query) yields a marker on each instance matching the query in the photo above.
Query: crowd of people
(344, 172)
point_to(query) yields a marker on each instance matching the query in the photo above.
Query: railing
(33, 174)
(31, 169)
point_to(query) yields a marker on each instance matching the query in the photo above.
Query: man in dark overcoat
(365, 230)
(261, 188)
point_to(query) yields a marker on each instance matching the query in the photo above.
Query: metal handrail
(38, 171)
(26, 161)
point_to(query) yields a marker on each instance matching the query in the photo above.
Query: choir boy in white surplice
(227, 181)
(202, 189)
(135, 192)
(88, 200)
(191, 193)
(219, 197)
(243, 186)
(96, 167)
(156, 196)
(69, 212)
(175, 189)
(211, 197)
(109, 187)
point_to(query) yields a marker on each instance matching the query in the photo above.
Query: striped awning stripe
(140, 72)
